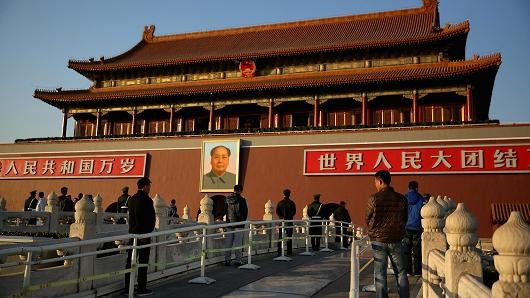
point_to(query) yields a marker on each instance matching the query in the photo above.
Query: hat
(316, 196)
(125, 188)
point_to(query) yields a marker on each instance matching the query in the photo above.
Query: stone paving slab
(251, 294)
(304, 280)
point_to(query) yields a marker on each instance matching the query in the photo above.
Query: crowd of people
(393, 221)
(65, 201)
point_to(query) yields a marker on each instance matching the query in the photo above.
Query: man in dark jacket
(315, 229)
(341, 214)
(141, 221)
(62, 198)
(31, 205)
(386, 215)
(31, 202)
(286, 209)
(413, 230)
(235, 210)
(122, 200)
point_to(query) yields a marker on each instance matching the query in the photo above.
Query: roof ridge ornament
(149, 33)
(430, 4)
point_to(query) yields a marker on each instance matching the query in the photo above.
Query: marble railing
(452, 264)
(83, 265)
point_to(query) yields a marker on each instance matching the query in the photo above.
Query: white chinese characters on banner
(420, 160)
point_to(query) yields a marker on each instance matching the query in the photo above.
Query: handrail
(471, 286)
(159, 240)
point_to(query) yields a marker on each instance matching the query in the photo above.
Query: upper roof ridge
(287, 25)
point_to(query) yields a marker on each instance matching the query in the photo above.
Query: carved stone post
(304, 213)
(84, 228)
(186, 213)
(269, 215)
(462, 257)
(53, 209)
(305, 217)
(451, 205)
(160, 224)
(512, 242)
(268, 211)
(206, 215)
(98, 202)
(442, 203)
(432, 237)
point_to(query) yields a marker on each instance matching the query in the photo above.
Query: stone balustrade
(179, 251)
(452, 264)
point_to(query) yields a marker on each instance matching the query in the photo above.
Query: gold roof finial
(149, 33)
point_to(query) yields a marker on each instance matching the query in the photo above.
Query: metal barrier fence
(205, 234)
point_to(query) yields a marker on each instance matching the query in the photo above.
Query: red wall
(266, 171)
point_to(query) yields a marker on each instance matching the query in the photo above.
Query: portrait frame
(209, 181)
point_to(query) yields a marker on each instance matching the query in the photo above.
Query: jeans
(234, 239)
(382, 251)
(412, 251)
(143, 258)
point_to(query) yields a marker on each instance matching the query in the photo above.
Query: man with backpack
(235, 210)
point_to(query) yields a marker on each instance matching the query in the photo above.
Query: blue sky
(39, 37)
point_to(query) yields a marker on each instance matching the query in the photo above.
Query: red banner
(419, 160)
(100, 166)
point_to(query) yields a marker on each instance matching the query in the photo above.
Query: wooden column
(172, 119)
(364, 112)
(98, 122)
(316, 112)
(469, 104)
(415, 117)
(211, 125)
(65, 122)
(133, 122)
(271, 107)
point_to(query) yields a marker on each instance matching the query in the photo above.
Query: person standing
(172, 210)
(122, 200)
(79, 197)
(315, 229)
(341, 214)
(31, 205)
(62, 198)
(68, 204)
(286, 210)
(141, 221)
(31, 202)
(235, 210)
(413, 230)
(42, 202)
(386, 216)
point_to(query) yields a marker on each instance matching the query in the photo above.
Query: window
(342, 118)
(157, 126)
(442, 113)
(230, 122)
(391, 116)
(85, 128)
(121, 128)
(300, 119)
(252, 121)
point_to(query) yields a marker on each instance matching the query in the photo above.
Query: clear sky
(39, 37)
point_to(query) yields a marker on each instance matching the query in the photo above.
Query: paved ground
(323, 275)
